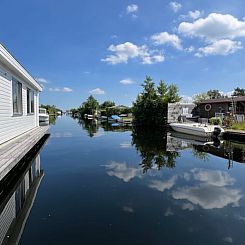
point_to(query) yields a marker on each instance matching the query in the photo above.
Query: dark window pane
(28, 101)
(17, 96)
(32, 102)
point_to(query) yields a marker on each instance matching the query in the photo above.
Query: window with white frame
(17, 97)
(30, 101)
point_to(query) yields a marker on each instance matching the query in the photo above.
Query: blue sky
(76, 48)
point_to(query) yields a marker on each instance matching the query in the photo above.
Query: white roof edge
(18, 67)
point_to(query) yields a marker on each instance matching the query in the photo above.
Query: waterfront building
(19, 98)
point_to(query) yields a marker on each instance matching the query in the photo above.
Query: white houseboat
(19, 98)
(43, 116)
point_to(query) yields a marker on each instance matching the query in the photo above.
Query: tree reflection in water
(116, 127)
(152, 145)
(52, 120)
(91, 126)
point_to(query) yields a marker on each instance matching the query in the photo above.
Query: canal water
(103, 184)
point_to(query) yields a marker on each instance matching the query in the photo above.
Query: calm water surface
(142, 187)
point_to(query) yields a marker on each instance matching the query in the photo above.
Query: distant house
(19, 98)
(210, 108)
(179, 109)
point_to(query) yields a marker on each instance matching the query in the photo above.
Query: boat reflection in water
(232, 151)
(17, 194)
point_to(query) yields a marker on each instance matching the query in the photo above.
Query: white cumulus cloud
(208, 196)
(194, 14)
(126, 81)
(214, 27)
(163, 185)
(122, 171)
(175, 6)
(214, 190)
(54, 89)
(188, 206)
(125, 51)
(64, 89)
(132, 8)
(166, 38)
(42, 80)
(213, 177)
(67, 90)
(191, 15)
(220, 47)
(97, 91)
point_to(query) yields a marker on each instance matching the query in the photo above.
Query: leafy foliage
(151, 144)
(90, 126)
(51, 109)
(150, 107)
(115, 110)
(239, 126)
(215, 121)
(214, 94)
(239, 92)
(107, 104)
(89, 107)
(199, 98)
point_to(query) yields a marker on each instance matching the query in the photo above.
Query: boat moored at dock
(197, 129)
(43, 116)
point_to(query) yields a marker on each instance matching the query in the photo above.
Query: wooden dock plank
(12, 152)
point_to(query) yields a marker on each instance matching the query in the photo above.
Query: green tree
(162, 90)
(150, 107)
(214, 94)
(239, 92)
(172, 94)
(199, 98)
(146, 105)
(89, 107)
(107, 104)
(51, 109)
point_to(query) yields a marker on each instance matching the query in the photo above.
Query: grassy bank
(238, 126)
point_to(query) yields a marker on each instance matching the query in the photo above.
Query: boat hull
(195, 129)
(43, 118)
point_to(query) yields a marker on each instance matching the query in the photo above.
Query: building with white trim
(19, 98)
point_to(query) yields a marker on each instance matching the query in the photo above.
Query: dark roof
(223, 100)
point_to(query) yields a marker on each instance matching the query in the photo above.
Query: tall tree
(199, 98)
(172, 94)
(90, 106)
(239, 92)
(214, 94)
(162, 90)
(107, 104)
(150, 107)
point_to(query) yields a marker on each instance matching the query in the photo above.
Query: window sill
(17, 115)
(30, 114)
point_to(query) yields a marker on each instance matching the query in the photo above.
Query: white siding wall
(12, 126)
(6, 217)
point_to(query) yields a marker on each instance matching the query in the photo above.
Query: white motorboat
(43, 115)
(197, 129)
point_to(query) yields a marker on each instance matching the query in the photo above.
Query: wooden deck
(13, 151)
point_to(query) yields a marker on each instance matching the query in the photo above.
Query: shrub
(215, 120)
(238, 126)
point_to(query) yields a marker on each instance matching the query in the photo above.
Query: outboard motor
(217, 131)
